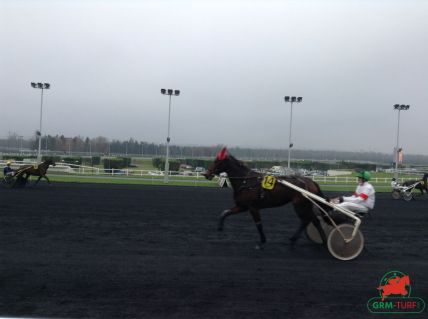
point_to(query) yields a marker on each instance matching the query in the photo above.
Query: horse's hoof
(293, 240)
(259, 247)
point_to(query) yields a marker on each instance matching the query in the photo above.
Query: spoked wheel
(341, 249)
(313, 234)
(408, 196)
(396, 194)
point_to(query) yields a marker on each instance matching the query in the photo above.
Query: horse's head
(50, 162)
(223, 163)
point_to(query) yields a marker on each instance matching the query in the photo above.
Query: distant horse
(39, 170)
(249, 195)
(421, 186)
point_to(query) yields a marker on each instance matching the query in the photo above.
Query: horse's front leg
(228, 212)
(255, 213)
(47, 179)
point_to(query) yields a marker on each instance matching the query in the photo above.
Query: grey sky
(233, 61)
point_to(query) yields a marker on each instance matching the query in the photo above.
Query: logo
(395, 295)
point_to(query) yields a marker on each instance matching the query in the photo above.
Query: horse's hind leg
(306, 215)
(318, 226)
(298, 232)
(255, 213)
(25, 179)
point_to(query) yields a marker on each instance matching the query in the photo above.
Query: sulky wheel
(9, 181)
(313, 234)
(341, 249)
(396, 194)
(408, 196)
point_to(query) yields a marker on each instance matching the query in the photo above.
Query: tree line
(103, 146)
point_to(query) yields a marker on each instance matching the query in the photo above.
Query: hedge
(116, 162)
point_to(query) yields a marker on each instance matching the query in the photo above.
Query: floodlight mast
(42, 86)
(171, 93)
(397, 150)
(291, 100)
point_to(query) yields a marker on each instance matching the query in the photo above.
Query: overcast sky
(234, 61)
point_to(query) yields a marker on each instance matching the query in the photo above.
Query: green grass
(349, 188)
(143, 164)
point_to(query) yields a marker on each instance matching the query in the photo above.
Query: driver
(7, 170)
(394, 183)
(363, 198)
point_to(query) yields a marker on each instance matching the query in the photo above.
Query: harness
(263, 183)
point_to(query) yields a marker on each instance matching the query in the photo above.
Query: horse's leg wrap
(223, 216)
(233, 211)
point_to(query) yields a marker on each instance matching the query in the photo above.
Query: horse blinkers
(214, 168)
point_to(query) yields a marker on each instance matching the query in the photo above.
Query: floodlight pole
(20, 144)
(39, 154)
(169, 92)
(291, 100)
(397, 150)
(41, 86)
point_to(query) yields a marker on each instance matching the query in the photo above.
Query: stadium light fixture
(171, 93)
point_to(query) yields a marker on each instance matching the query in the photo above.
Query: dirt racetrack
(120, 251)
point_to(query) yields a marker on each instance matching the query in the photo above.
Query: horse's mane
(236, 161)
(241, 165)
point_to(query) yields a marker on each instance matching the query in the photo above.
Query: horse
(39, 170)
(423, 185)
(249, 196)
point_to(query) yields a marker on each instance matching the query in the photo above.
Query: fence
(67, 169)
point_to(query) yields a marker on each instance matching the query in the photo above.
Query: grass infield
(186, 181)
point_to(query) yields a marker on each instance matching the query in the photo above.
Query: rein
(243, 177)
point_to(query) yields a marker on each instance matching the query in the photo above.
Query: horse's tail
(409, 183)
(425, 182)
(321, 194)
(323, 206)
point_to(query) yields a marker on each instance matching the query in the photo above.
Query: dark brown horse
(250, 196)
(422, 186)
(38, 170)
